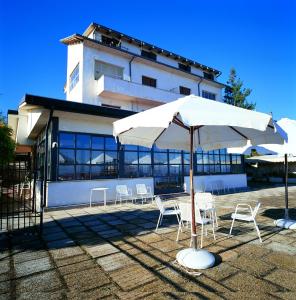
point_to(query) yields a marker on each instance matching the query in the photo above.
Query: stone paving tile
(67, 242)
(101, 250)
(283, 278)
(4, 287)
(60, 235)
(110, 233)
(86, 280)
(42, 282)
(115, 261)
(166, 245)
(32, 266)
(75, 267)
(283, 261)
(71, 260)
(65, 252)
(150, 238)
(137, 276)
(248, 283)
(220, 272)
(251, 265)
(282, 247)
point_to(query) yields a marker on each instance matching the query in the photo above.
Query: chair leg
(213, 228)
(201, 238)
(258, 231)
(179, 229)
(158, 222)
(231, 226)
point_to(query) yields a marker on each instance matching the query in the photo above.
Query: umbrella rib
(239, 132)
(180, 123)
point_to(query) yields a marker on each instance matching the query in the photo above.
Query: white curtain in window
(102, 68)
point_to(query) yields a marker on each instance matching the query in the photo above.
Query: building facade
(109, 76)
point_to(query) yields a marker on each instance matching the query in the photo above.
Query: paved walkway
(113, 253)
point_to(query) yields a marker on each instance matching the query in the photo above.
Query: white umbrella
(282, 151)
(192, 122)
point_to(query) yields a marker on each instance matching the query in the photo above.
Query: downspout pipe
(198, 85)
(130, 67)
(44, 200)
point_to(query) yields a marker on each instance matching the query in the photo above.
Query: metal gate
(20, 203)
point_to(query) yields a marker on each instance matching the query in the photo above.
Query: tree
(7, 145)
(235, 94)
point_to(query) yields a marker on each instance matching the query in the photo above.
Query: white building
(111, 75)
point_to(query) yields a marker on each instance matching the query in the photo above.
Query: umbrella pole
(286, 188)
(193, 225)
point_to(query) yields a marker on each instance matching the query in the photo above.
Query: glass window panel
(175, 158)
(67, 140)
(174, 151)
(145, 170)
(131, 170)
(238, 160)
(200, 169)
(110, 143)
(160, 170)
(66, 172)
(66, 157)
(199, 160)
(217, 159)
(145, 158)
(97, 157)
(206, 169)
(141, 148)
(217, 169)
(205, 158)
(186, 158)
(222, 159)
(225, 169)
(97, 171)
(212, 169)
(216, 151)
(83, 141)
(227, 159)
(175, 170)
(223, 151)
(131, 157)
(82, 172)
(83, 156)
(160, 158)
(131, 147)
(111, 157)
(211, 159)
(111, 169)
(97, 142)
(186, 170)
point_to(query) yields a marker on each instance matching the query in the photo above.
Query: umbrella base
(286, 223)
(195, 258)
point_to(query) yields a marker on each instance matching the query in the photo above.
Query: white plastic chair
(123, 193)
(185, 216)
(206, 203)
(246, 217)
(163, 211)
(144, 192)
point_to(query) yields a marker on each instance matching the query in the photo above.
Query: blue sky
(258, 38)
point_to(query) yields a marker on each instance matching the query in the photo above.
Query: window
(148, 54)
(110, 41)
(184, 90)
(183, 67)
(148, 81)
(74, 77)
(137, 161)
(102, 68)
(208, 95)
(87, 156)
(110, 106)
(208, 76)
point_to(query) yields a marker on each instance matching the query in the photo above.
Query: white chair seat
(171, 212)
(242, 217)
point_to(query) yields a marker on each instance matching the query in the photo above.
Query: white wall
(75, 56)
(65, 193)
(229, 180)
(86, 89)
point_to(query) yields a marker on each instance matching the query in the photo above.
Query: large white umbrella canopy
(217, 125)
(192, 122)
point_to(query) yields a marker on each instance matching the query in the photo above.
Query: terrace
(113, 252)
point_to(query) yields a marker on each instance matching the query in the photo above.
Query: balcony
(125, 90)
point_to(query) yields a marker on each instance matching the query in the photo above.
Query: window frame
(207, 95)
(183, 90)
(152, 82)
(149, 54)
(184, 67)
(73, 80)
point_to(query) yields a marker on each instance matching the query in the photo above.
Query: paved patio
(113, 252)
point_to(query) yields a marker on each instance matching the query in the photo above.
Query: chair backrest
(185, 211)
(159, 204)
(141, 188)
(204, 200)
(256, 209)
(122, 189)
